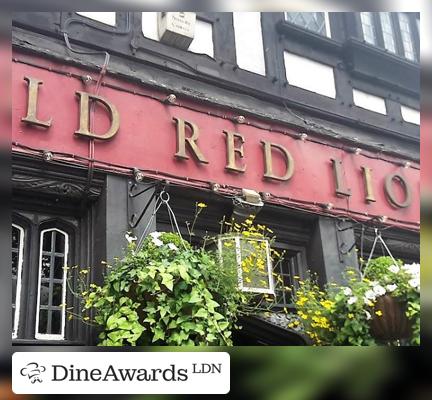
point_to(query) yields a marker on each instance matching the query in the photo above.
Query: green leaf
(167, 280)
(201, 313)
(183, 272)
(195, 296)
(159, 334)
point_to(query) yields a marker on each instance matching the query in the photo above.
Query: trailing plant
(166, 293)
(341, 315)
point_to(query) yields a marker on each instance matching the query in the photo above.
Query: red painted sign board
(147, 139)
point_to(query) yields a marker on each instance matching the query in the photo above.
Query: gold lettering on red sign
(233, 151)
(84, 128)
(389, 192)
(341, 189)
(32, 101)
(268, 161)
(182, 140)
(368, 185)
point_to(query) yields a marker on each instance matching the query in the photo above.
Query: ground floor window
(41, 253)
(50, 310)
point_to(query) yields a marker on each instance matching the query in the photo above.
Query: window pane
(47, 238)
(59, 242)
(44, 294)
(58, 267)
(52, 282)
(314, 21)
(57, 294)
(368, 27)
(43, 321)
(405, 28)
(45, 267)
(56, 319)
(387, 30)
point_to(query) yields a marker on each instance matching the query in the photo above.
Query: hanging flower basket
(252, 256)
(390, 322)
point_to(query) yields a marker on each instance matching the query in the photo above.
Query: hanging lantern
(251, 256)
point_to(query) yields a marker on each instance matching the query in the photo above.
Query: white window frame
(237, 241)
(18, 283)
(46, 336)
(326, 21)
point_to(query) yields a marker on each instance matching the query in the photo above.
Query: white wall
(369, 101)
(249, 42)
(149, 25)
(410, 115)
(203, 38)
(310, 75)
(108, 18)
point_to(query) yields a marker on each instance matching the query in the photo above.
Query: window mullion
(398, 37)
(378, 30)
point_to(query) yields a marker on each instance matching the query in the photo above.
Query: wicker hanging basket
(393, 324)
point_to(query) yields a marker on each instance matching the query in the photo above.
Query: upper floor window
(391, 31)
(388, 31)
(368, 27)
(314, 21)
(407, 36)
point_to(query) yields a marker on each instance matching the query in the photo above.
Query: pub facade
(310, 121)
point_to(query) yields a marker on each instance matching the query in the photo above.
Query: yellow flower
(327, 304)
(248, 280)
(202, 205)
(379, 313)
(84, 271)
(350, 316)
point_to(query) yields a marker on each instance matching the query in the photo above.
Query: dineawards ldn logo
(33, 371)
(121, 372)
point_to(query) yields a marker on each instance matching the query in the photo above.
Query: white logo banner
(121, 373)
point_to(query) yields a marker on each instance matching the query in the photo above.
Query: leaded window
(17, 261)
(368, 27)
(406, 34)
(50, 310)
(287, 273)
(314, 21)
(388, 31)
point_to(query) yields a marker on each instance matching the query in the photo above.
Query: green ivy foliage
(167, 293)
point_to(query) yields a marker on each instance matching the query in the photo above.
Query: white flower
(347, 291)
(394, 268)
(130, 238)
(379, 290)
(368, 315)
(369, 295)
(172, 246)
(415, 283)
(412, 269)
(157, 242)
(155, 235)
(391, 288)
(352, 300)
